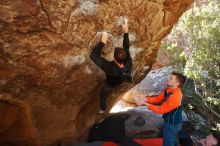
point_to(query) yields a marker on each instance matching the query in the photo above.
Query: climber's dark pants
(103, 94)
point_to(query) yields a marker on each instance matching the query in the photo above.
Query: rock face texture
(151, 85)
(150, 126)
(49, 86)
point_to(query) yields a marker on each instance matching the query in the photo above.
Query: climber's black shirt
(114, 74)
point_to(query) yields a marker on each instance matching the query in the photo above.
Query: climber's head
(175, 80)
(213, 139)
(120, 55)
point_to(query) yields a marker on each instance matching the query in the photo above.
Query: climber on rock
(116, 71)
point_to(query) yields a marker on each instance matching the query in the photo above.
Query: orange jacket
(171, 103)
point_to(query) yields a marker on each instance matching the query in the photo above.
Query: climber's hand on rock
(104, 37)
(139, 101)
(142, 97)
(125, 25)
(146, 104)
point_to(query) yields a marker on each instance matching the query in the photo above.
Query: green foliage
(198, 53)
(203, 65)
(177, 54)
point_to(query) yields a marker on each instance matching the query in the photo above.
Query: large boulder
(135, 123)
(151, 85)
(49, 86)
